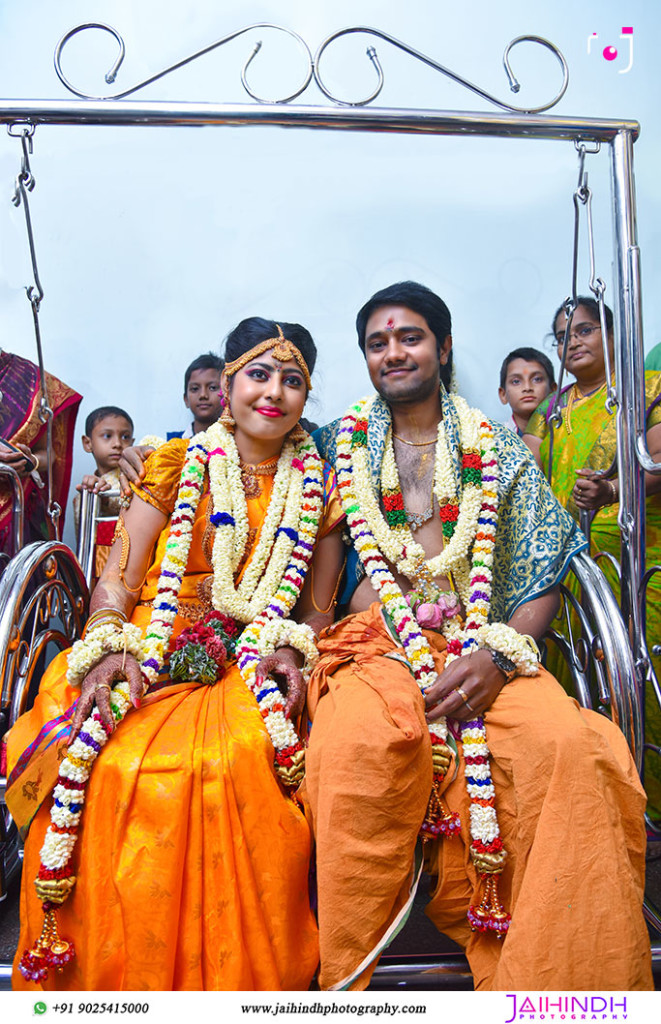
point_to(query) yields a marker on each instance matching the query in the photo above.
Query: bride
(173, 854)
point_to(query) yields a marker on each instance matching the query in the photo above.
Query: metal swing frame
(614, 648)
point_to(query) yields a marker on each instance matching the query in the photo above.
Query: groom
(564, 837)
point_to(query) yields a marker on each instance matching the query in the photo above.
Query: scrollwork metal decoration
(513, 82)
(314, 66)
(111, 75)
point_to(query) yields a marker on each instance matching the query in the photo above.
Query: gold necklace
(250, 475)
(267, 468)
(415, 444)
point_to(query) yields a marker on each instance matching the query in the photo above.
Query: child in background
(526, 378)
(202, 394)
(108, 431)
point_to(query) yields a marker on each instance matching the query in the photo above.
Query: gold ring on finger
(465, 699)
(102, 686)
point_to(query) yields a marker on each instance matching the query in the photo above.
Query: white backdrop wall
(154, 242)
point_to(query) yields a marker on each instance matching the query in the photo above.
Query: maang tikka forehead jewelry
(283, 351)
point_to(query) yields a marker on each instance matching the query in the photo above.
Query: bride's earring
(226, 417)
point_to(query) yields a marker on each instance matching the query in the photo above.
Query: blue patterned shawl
(536, 538)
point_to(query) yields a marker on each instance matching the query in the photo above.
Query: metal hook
(371, 53)
(25, 178)
(112, 73)
(582, 191)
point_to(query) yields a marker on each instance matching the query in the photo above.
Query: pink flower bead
(429, 616)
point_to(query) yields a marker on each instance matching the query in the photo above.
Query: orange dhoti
(569, 803)
(192, 865)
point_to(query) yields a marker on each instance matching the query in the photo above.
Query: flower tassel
(49, 951)
(289, 766)
(490, 915)
(439, 821)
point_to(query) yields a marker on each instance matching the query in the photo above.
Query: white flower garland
(104, 639)
(520, 650)
(284, 633)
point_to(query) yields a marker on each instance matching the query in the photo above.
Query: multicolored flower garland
(276, 574)
(55, 879)
(469, 524)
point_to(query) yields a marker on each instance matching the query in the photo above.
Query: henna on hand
(96, 688)
(288, 678)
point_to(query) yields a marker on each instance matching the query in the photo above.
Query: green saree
(586, 438)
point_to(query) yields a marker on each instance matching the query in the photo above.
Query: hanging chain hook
(25, 183)
(111, 75)
(371, 53)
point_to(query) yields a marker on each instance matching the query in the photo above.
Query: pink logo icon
(610, 53)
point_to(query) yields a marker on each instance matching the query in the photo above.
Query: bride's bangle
(103, 617)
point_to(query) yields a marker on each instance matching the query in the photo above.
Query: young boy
(202, 394)
(526, 378)
(108, 431)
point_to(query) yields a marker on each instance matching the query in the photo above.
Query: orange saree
(192, 863)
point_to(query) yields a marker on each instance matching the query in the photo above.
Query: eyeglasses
(581, 333)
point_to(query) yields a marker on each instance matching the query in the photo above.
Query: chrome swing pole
(633, 456)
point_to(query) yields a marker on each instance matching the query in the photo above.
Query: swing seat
(44, 601)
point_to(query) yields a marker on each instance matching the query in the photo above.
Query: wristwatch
(507, 667)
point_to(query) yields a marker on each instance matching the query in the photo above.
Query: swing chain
(597, 285)
(25, 182)
(582, 198)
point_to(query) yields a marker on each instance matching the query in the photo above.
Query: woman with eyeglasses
(583, 449)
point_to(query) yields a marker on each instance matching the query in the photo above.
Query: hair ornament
(283, 350)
